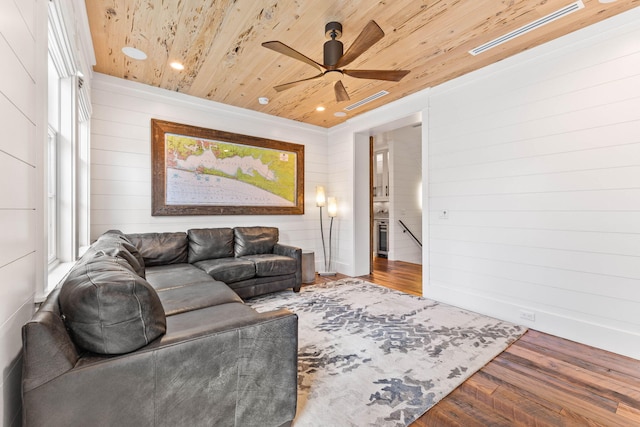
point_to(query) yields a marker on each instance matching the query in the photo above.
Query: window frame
(66, 151)
(52, 202)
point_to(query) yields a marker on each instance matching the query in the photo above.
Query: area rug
(369, 355)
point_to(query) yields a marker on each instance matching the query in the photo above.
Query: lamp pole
(320, 202)
(332, 211)
(324, 250)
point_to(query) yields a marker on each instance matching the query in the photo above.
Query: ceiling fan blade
(341, 92)
(391, 75)
(286, 86)
(292, 53)
(369, 36)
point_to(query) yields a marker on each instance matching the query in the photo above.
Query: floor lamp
(321, 201)
(332, 211)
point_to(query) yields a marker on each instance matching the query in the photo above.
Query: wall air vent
(367, 100)
(529, 27)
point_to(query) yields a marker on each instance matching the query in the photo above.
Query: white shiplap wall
(537, 160)
(19, 117)
(121, 159)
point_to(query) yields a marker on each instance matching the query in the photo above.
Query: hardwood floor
(540, 380)
(399, 275)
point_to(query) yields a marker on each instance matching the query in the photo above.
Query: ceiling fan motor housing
(333, 49)
(334, 60)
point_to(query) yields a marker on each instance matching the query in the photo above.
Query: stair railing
(406, 230)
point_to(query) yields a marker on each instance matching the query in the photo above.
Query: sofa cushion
(255, 240)
(272, 265)
(262, 285)
(172, 275)
(210, 243)
(185, 287)
(161, 248)
(109, 309)
(228, 270)
(195, 296)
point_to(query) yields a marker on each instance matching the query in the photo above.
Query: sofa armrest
(242, 372)
(293, 252)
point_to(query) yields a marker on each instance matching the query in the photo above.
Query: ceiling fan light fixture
(332, 75)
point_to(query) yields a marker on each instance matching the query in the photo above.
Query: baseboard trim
(584, 331)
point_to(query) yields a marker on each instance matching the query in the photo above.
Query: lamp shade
(332, 207)
(320, 196)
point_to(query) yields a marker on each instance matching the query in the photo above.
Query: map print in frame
(199, 171)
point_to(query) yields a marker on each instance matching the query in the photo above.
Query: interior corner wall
(121, 159)
(536, 160)
(405, 150)
(23, 52)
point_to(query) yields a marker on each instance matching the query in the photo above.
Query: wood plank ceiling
(219, 43)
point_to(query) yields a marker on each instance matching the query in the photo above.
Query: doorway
(395, 182)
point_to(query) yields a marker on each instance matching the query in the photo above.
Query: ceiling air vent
(367, 100)
(529, 27)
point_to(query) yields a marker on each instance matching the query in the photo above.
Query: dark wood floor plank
(589, 380)
(483, 385)
(479, 411)
(628, 412)
(443, 417)
(589, 409)
(549, 405)
(398, 275)
(561, 387)
(597, 357)
(579, 360)
(462, 413)
(511, 405)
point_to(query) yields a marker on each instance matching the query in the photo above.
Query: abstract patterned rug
(369, 355)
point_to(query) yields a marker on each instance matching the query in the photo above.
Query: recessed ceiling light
(177, 66)
(320, 108)
(134, 53)
(263, 100)
(339, 114)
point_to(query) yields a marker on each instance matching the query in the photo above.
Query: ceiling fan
(334, 59)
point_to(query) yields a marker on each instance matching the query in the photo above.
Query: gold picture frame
(200, 171)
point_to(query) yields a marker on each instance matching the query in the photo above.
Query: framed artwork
(199, 171)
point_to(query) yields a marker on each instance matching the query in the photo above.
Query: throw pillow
(108, 308)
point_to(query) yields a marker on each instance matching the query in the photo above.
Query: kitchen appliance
(383, 239)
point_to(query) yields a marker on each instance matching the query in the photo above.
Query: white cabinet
(381, 175)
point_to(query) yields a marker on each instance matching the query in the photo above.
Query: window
(52, 201)
(67, 172)
(53, 118)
